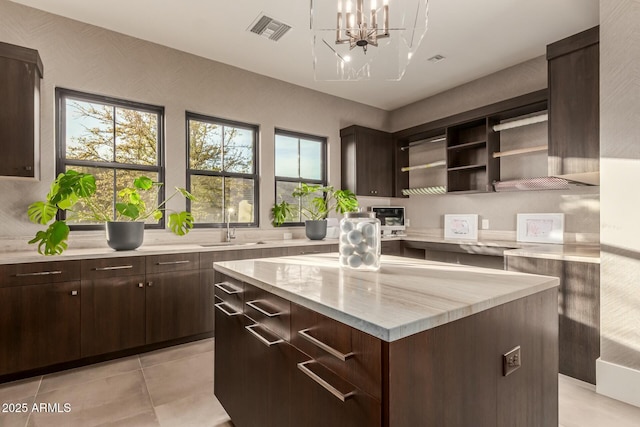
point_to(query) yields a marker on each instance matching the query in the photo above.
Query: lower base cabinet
(578, 311)
(39, 325)
(172, 305)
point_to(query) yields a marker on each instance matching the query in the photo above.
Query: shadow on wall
(620, 306)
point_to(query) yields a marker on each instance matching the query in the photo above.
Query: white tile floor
(174, 387)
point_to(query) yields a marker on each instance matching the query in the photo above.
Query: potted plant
(124, 231)
(315, 203)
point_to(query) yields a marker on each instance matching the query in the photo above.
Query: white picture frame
(540, 228)
(461, 227)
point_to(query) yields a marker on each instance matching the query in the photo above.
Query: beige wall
(620, 173)
(87, 58)
(581, 206)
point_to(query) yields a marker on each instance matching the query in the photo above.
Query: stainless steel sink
(211, 245)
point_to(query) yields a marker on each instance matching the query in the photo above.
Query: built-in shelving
(470, 145)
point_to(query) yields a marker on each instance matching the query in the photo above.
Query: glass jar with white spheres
(360, 241)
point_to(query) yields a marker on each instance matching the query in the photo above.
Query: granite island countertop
(404, 297)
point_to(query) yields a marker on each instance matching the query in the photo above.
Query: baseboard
(618, 382)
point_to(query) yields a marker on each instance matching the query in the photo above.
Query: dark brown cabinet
(173, 297)
(574, 107)
(113, 305)
(263, 379)
(367, 161)
(286, 365)
(578, 311)
(39, 315)
(21, 70)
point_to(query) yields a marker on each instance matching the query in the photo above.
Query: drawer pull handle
(220, 305)
(253, 305)
(223, 287)
(39, 273)
(261, 338)
(74, 293)
(115, 267)
(332, 351)
(141, 285)
(185, 261)
(315, 377)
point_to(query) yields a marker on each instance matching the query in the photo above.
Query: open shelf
(468, 145)
(467, 167)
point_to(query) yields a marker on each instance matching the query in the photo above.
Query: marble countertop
(568, 252)
(404, 297)
(144, 250)
(571, 252)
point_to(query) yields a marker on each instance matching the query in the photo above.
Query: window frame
(61, 95)
(255, 176)
(323, 164)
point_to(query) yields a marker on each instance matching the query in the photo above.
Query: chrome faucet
(231, 234)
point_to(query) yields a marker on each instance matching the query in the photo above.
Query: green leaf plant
(72, 188)
(315, 203)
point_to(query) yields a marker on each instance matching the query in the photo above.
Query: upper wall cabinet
(574, 113)
(20, 70)
(367, 161)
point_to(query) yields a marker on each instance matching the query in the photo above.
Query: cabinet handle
(74, 293)
(228, 313)
(223, 287)
(115, 267)
(185, 261)
(310, 253)
(262, 339)
(149, 284)
(253, 305)
(315, 377)
(141, 285)
(39, 273)
(332, 351)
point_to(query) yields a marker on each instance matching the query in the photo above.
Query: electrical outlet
(407, 222)
(485, 224)
(511, 361)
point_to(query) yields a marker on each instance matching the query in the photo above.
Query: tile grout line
(34, 400)
(146, 386)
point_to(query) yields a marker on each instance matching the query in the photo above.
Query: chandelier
(395, 28)
(357, 32)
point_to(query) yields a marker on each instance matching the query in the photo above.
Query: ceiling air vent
(268, 27)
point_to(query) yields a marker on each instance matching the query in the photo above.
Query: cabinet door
(574, 113)
(19, 86)
(172, 305)
(367, 161)
(40, 325)
(113, 314)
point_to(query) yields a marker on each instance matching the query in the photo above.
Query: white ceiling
(478, 37)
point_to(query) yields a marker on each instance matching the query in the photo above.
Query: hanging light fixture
(357, 32)
(338, 27)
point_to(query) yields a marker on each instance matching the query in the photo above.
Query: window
(222, 172)
(299, 159)
(113, 139)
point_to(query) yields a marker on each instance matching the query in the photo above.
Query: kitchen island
(300, 341)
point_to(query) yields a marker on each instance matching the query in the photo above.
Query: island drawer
(350, 353)
(172, 262)
(39, 272)
(105, 268)
(230, 293)
(269, 310)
